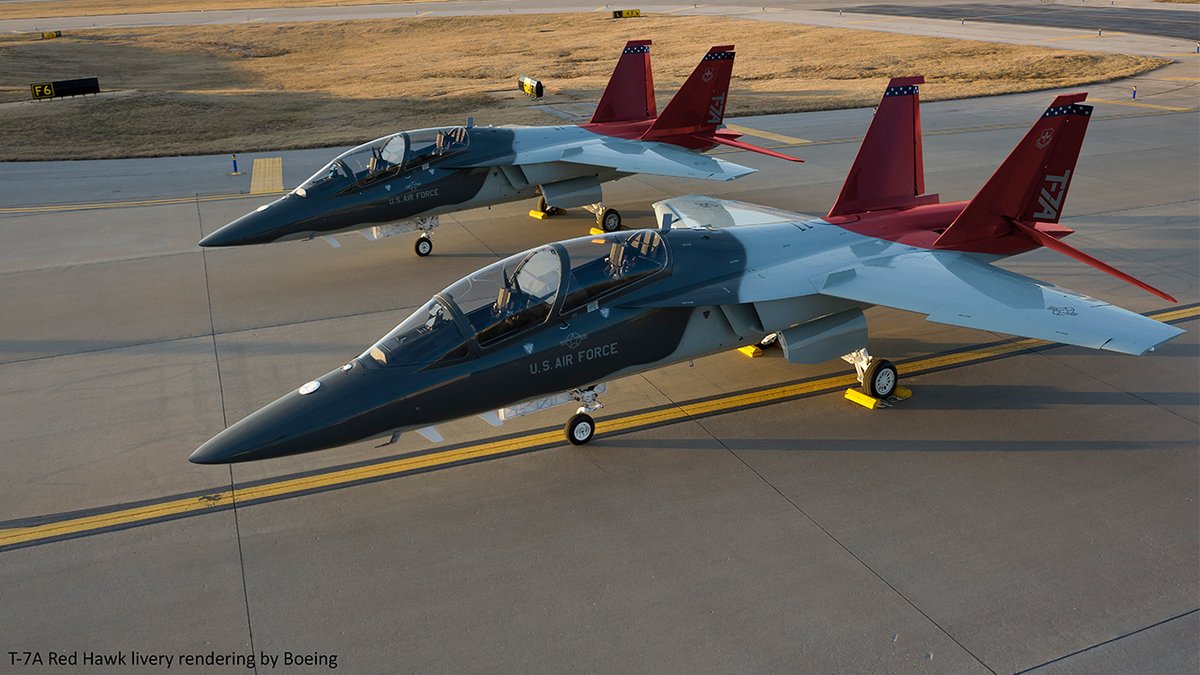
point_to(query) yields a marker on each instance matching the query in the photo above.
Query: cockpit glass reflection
(519, 292)
(386, 156)
(505, 297)
(602, 266)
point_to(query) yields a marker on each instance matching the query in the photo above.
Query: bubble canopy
(510, 297)
(387, 156)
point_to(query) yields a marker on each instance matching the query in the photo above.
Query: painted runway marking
(52, 528)
(1084, 36)
(1139, 104)
(769, 135)
(266, 176)
(164, 201)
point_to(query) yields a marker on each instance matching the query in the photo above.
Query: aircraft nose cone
(336, 409)
(263, 225)
(289, 426)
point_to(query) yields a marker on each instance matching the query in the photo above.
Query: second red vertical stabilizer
(889, 171)
(629, 95)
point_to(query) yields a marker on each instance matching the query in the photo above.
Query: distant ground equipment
(61, 88)
(530, 86)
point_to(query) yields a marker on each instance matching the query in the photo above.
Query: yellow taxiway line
(67, 526)
(164, 201)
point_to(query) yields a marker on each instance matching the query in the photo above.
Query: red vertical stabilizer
(629, 95)
(699, 105)
(1030, 186)
(888, 172)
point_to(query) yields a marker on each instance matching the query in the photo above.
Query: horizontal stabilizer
(742, 145)
(1052, 243)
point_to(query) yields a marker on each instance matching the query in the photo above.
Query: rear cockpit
(526, 290)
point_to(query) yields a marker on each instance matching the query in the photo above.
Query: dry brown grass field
(53, 8)
(213, 89)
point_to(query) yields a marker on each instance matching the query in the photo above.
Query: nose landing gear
(581, 427)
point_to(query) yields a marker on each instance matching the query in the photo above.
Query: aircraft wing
(625, 156)
(960, 290)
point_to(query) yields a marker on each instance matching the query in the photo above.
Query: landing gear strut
(545, 208)
(581, 427)
(608, 220)
(878, 376)
(424, 244)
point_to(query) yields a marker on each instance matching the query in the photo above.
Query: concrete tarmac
(1182, 24)
(1035, 510)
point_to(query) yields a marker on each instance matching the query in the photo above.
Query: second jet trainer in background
(403, 182)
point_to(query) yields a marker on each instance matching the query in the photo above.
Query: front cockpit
(513, 296)
(385, 157)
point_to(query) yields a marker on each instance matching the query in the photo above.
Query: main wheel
(424, 246)
(881, 378)
(580, 429)
(541, 205)
(609, 220)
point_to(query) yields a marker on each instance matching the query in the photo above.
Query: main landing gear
(607, 219)
(878, 377)
(581, 427)
(543, 207)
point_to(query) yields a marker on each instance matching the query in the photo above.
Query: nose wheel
(580, 429)
(424, 245)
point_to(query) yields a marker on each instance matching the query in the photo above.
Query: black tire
(580, 429)
(424, 246)
(881, 379)
(609, 220)
(541, 205)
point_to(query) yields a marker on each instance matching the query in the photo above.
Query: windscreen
(430, 334)
(365, 162)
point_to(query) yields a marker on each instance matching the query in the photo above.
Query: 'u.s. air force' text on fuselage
(574, 357)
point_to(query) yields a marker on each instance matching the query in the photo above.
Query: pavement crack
(1108, 641)
(820, 527)
(237, 529)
